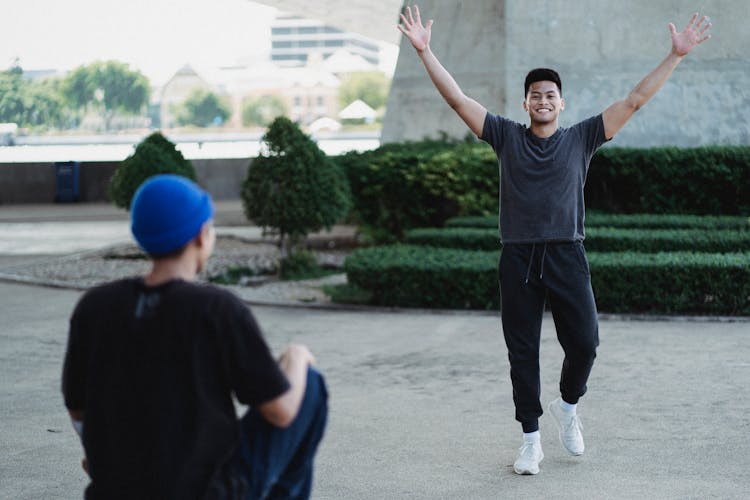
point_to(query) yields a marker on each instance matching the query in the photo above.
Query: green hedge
(465, 238)
(598, 239)
(414, 276)
(679, 282)
(401, 186)
(705, 180)
(630, 221)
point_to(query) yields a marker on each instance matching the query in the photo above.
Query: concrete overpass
(601, 49)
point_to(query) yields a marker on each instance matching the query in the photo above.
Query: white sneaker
(569, 427)
(528, 459)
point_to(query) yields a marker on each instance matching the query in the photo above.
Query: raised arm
(618, 114)
(470, 111)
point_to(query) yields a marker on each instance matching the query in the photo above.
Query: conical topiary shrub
(292, 188)
(154, 155)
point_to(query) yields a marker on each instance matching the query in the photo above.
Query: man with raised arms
(543, 169)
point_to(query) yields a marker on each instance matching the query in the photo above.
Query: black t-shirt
(154, 370)
(542, 179)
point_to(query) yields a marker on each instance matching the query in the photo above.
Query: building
(175, 91)
(489, 45)
(294, 39)
(308, 92)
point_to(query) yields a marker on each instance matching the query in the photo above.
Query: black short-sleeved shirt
(154, 370)
(542, 179)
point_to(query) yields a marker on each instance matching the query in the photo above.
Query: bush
(679, 282)
(401, 186)
(203, 108)
(634, 221)
(154, 155)
(293, 189)
(261, 111)
(413, 276)
(598, 239)
(667, 240)
(705, 180)
(465, 238)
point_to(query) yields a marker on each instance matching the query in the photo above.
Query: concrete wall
(37, 183)
(601, 49)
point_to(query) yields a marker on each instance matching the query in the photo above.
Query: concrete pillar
(601, 49)
(468, 38)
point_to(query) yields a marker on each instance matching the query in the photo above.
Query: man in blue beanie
(152, 363)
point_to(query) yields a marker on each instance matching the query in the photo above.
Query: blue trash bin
(67, 177)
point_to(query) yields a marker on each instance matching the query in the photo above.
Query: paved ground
(421, 406)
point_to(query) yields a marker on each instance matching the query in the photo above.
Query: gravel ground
(87, 269)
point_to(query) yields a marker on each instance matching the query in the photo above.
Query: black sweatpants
(529, 274)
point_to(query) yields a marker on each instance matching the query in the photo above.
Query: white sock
(567, 407)
(532, 437)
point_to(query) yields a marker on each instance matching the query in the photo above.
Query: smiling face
(543, 102)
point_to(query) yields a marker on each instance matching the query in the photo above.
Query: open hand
(412, 28)
(693, 34)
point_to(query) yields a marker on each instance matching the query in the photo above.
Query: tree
(110, 87)
(154, 155)
(30, 103)
(202, 108)
(12, 96)
(369, 86)
(45, 105)
(261, 111)
(294, 188)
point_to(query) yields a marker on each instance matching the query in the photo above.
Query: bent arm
(282, 410)
(618, 114)
(470, 111)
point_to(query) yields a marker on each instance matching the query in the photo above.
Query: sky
(156, 37)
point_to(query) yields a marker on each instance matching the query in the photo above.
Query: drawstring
(528, 268)
(541, 262)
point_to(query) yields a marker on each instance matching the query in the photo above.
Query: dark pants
(278, 463)
(529, 274)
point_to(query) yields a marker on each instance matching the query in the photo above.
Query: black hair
(540, 75)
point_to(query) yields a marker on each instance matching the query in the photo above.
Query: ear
(204, 235)
(562, 104)
(525, 105)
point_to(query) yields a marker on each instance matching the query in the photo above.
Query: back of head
(541, 75)
(167, 212)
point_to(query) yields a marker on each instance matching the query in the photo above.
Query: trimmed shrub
(705, 180)
(666, 240)
(667, 221)
(679, 282)
(293, 189)
(413, 276)
(634, 221)
(154, 155)
(474, 221)
(598, 239)
(401, 186)
(465, 238)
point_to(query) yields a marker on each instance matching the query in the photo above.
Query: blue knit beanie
(167, 212)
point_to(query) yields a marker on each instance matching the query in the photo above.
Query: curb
(331, 306)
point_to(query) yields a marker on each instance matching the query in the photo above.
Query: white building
(294, 38)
